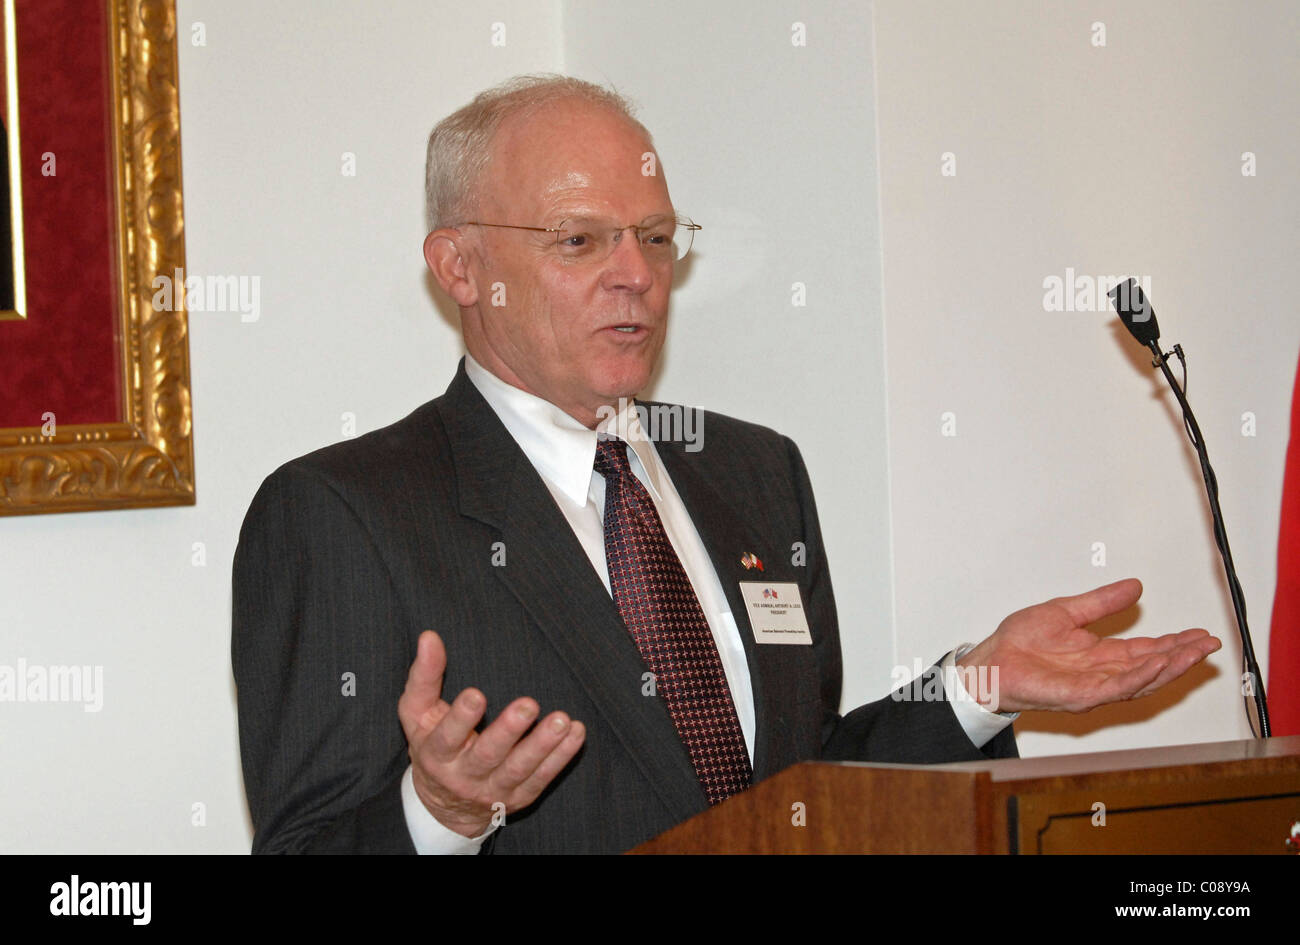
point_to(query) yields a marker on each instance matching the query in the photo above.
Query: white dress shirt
(563, 452)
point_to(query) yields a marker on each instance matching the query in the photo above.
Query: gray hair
(460, 146)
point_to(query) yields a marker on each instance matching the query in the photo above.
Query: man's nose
(627, 267)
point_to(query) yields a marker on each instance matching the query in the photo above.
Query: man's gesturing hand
(460, 773)
(1046, 660)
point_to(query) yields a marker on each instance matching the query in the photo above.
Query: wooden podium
(1221, 797)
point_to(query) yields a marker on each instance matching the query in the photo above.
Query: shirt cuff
(430, 835)
(980, 725)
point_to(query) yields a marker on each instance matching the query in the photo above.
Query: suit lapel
(549, 573)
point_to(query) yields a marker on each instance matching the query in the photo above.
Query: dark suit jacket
(348, 553)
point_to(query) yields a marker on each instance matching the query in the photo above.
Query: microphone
(1140, 319)
(1135, 312)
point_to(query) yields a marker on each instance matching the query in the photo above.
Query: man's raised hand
(459, 773)
(1047, 660)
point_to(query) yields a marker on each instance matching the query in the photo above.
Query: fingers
(448, 738)
(492, 747)
(1184, 657)
(523, 760)
(424, 680)
(1142, 675)
(1103, 601)
(1117, 687)
(462, 776)
(423, 691)
(573, 735)
(510, 763)
(1144, 646)
(1154, 662)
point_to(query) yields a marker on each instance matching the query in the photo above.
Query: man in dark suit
(525, 541)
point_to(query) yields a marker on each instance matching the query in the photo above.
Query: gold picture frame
(145, 458)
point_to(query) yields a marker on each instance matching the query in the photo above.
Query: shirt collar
(626, 425)
(561, 449)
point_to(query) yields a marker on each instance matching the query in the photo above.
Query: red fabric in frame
(64, 357)
(1284, 638)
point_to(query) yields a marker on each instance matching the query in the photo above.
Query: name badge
(776, 613)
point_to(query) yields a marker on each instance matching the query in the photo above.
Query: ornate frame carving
(146, 458)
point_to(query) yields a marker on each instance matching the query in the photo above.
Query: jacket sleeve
(319, 655)
(910, 726)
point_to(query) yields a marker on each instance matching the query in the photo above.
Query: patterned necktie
(663, 615)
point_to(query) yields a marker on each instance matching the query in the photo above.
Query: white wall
(773, 148)
(1115, 160)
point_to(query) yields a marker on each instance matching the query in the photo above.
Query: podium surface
(1216, 797)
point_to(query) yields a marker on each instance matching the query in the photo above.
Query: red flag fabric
(1284, 637)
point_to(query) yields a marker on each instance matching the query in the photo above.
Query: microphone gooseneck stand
(1129, 299)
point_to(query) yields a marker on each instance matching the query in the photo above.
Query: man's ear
(445, 256)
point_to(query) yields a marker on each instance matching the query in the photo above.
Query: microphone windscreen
(1135, 311)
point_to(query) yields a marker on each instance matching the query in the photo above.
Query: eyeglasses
(584, 240)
